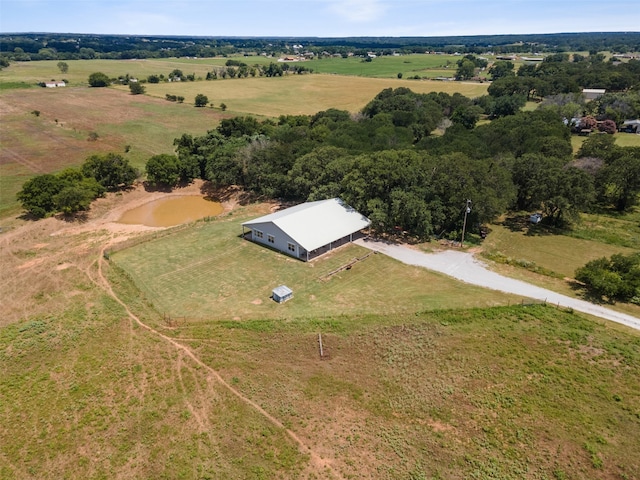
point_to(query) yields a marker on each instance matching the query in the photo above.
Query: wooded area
(385, 163)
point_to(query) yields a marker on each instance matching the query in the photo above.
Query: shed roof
(282, 291)
(315, 224)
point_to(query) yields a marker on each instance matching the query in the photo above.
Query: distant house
(631, 126)
(309, 229)
(53, 84)
(535, 218)
(593, 93)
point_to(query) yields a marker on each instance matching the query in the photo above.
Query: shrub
(136, 88)
(617, 278)
(99, 79)
(608, 126)
(201, 100)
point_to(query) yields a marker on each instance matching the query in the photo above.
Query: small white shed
(593, 93)
(281, 294)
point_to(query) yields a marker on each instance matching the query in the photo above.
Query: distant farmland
(57, 137)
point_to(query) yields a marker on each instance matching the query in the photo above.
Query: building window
(257, 233)
(271, 239)
(291, 247)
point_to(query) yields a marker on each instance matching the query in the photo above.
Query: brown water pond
(167, 212)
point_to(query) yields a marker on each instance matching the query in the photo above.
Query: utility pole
(467, 211)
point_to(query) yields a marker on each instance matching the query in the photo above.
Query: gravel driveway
(465, 267)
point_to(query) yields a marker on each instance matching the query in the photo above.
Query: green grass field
(622, 139)
(29, 73)
(208, 272)
(503, 392)
(301, 94)
(597, 236)
(58, 137)
(423, 65)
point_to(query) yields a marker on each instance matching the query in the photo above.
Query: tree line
(57, 46)
(73, 189)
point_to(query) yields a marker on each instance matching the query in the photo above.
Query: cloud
(358, 11)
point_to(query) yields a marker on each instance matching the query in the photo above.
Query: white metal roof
(282, 291)
(315, 224)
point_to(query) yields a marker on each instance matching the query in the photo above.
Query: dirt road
(465, 267)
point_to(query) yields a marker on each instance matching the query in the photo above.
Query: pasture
(58, 136)
(301, 94)
(30, 73)
(423, 65)
(502, 391)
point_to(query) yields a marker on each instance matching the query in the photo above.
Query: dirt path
(319, 464)
(467, 268)
(106, 222)
(81, 241)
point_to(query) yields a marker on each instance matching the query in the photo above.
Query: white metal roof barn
(309, 229)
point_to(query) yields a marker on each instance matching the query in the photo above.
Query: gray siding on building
(280, 242)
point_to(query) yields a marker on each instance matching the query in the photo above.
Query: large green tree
(466, 69)
(111, 170)
(616, 278)
(99, 79)
(618, 182)
(163, 170)
(549, 184)
(69, 191)
(37, 194)
(502, 68)
(201, 100)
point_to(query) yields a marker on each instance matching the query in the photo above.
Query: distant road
(465, 267)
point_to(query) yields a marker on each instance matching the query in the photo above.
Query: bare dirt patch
(41, 253)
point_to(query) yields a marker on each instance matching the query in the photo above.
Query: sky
(317, 18)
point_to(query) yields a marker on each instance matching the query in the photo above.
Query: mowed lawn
(558, 253)
(593, 236)
(209, 272)
(622, 140)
